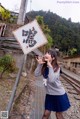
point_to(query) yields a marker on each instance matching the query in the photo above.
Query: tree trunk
(22, 12)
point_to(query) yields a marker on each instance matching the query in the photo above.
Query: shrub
(7, 64)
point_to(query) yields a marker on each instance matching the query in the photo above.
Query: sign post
(30, 37)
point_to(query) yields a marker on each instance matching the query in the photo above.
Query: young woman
(56, 97)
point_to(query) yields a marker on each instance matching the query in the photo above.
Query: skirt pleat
(58, 103)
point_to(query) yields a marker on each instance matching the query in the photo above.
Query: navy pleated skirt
(57, 103)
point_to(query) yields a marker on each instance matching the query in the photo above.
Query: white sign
(30, 36)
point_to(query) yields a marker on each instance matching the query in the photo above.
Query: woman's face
(48, 56)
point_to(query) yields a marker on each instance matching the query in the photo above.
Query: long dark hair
(54, 62)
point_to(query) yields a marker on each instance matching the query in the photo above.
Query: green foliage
(50, 41)
(7, 64)
(46, 31)
(42, 24)
(5, 15)
(65, 34)
(72, 51)
(13, 19)
(40, 20)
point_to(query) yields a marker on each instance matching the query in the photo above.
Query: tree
(40, 20)
(7, 64)
(5, 15)
(46, 31)
(65, 33)
(72, 51)
(50, 41)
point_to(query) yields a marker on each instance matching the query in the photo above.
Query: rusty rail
(72, 81)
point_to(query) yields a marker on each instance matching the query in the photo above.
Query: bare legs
(59, 115)
(46, 114)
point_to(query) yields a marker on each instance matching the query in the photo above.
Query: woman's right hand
(39, 60)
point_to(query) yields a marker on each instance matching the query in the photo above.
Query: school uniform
(56, 98)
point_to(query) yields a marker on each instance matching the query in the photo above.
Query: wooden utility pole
(21, 19)
(22, 12)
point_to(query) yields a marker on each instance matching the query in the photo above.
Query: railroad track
(72, 81)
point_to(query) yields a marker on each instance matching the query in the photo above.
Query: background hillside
(65, 34)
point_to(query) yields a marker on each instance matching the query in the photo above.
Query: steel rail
(75, 83)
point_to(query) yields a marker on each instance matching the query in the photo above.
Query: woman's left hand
(48, 62)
